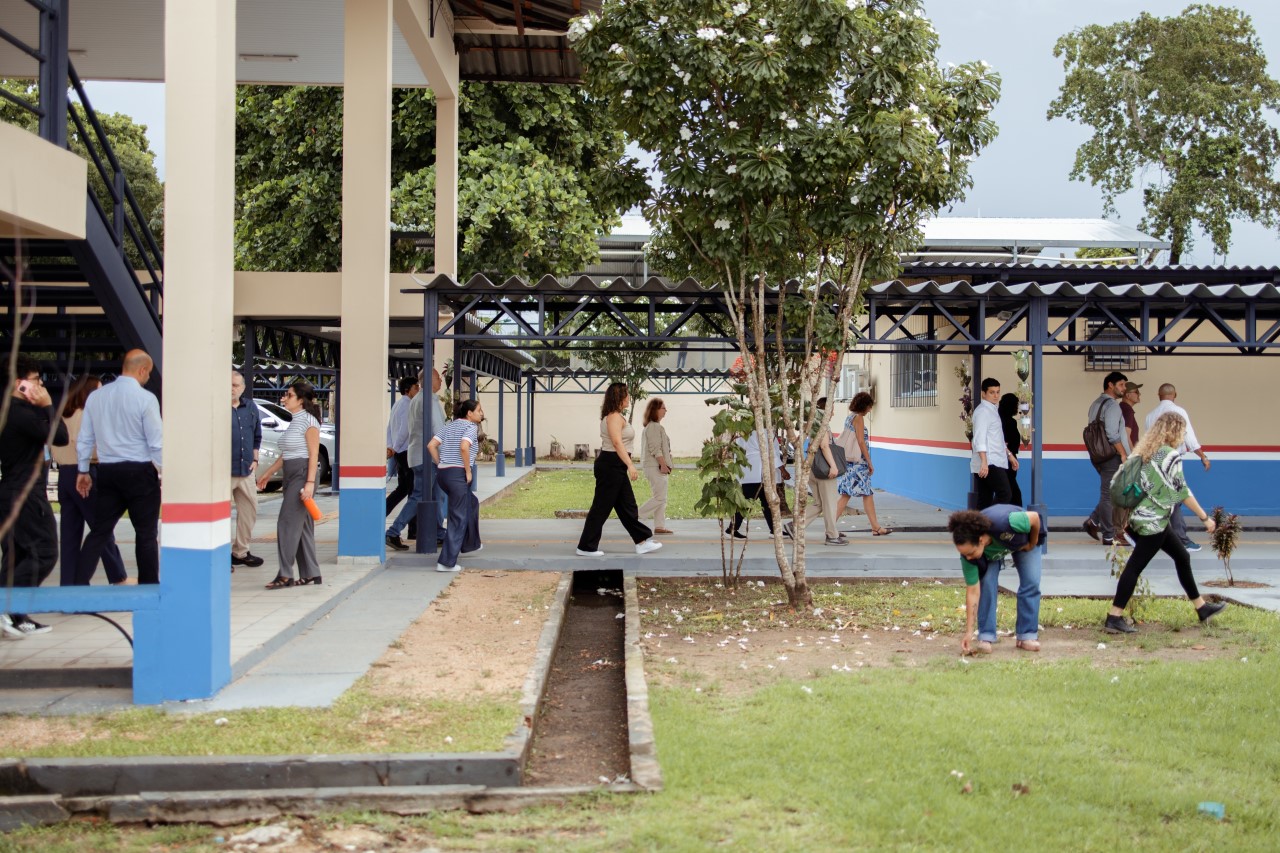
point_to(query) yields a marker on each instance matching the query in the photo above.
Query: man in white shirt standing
(991, 457)
(123, 421)
(1168, 395)
(398, 446)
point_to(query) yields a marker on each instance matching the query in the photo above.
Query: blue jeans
(461, 518)
(410, 508)
(1028, 623)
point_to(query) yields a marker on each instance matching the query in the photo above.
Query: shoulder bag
(820, 468)
(1095, 439)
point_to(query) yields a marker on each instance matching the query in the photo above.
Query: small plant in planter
(1226, 536)
(557, 449)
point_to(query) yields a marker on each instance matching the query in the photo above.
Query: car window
(277, 411)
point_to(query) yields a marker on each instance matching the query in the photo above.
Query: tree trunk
(799, 595)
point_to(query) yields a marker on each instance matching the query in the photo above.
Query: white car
(275, 420)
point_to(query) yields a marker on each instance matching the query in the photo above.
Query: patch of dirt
(477, 638)
(1222, 584)
(580, 737)
(22, 735)
(739, 659)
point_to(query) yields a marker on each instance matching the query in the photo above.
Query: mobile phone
(24, 388)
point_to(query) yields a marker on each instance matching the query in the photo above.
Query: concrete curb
(645, 771)
(535, 683)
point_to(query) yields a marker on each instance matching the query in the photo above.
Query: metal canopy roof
(299, 42)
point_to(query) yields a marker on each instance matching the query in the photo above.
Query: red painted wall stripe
(186, 513)
(964, 445)
(362, 471)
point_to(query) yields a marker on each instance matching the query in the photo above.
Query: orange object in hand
(312, 508)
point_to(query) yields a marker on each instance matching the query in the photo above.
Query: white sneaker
(31, 626)
(9, 629)
(443, 568)
(582, 553)
(648, 546)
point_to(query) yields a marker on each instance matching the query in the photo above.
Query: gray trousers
(1102, 513)
(295, 529)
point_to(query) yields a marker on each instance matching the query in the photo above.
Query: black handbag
(1095, 440)
(820, 468)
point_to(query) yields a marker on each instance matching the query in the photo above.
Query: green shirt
(1009, 531)
(1163, 487)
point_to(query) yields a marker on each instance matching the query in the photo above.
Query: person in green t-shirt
(1164, 492)
(983, 538)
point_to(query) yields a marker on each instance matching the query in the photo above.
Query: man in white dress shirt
(1168, 397)
(991, 457)
(123, 421)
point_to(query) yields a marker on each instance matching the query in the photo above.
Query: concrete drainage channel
(235, 789)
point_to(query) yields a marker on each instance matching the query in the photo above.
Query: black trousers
(404, 488)
(994, 488)
(754, 491)
(1144, 548)
(613, 493)
(30, 549)
(1015, 491)
(132, 487)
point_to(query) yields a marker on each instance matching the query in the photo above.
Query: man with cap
(1132, 397)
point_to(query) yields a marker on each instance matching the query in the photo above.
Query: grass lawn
(540, 495)
(1080, 754)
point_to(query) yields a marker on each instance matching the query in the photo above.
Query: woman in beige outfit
(656, 455)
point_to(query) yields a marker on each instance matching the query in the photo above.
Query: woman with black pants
(453, 449)
(1164, 490)
(1008, 409)
(614, 472)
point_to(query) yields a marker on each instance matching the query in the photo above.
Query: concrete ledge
(55, 679)
(535, 683)
(17, 812)
(82, 599)
(645, 771)
(342, 560)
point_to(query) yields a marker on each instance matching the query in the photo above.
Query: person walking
(825, 492)
(418, 460)
(1164, 492)
(856, 481)
(246, 442)
(122, 422)
(750, 480)
(29, 548)
(1168, 395)
(991, 460)
(614, 473)
(398, 445)
(453, 450)
(1132, 397)
(76, 512)
(1008, 409)
(1101, 522)
(983, 538)
(656, 459)
(299, 455)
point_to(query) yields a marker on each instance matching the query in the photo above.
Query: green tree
(797, 139)
(542, 173)
(1186, 96)
(128, 140)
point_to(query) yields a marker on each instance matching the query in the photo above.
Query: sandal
(317, 580)
(281, 583)
(883, 531)
(1028, 645)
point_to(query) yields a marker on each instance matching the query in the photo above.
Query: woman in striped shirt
(453, 449)
(299, 453)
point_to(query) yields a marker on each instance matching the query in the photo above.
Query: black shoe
(736, 534)
(396, 543)
(1210, 609)
(1119, 625)
(247, 560)
(1091, 527)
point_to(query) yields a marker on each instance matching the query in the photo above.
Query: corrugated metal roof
(1033, 234)
(1079, 290)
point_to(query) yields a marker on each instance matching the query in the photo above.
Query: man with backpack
(1106, 408)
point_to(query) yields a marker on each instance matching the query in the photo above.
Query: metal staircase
(81, 303)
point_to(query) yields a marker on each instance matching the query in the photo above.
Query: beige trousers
(244, 497)
(656, 506)
(825, 498)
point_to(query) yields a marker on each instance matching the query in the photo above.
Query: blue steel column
(977, 328)
(428, 508)
(500, 463)
(519, 434)
(1038, 334)
(53, 73)
(531, 447)
(475, 469)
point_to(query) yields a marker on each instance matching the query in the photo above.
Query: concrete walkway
(307, 645)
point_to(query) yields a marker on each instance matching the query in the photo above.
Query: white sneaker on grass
(648, 546)
(582, 553)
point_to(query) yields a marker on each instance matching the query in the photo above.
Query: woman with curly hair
(856, 480)
(983, 537)
(1163, 488)
(614, 472)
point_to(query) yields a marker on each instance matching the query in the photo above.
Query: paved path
(305, 646)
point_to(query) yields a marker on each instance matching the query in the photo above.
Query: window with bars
(1111, 350)
(913, 377)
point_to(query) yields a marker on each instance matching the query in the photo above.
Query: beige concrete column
(446, 185)
(366, 258)
(188, 646)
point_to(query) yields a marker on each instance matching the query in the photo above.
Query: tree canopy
(542, 172)
(1186, 96)
(797, 139)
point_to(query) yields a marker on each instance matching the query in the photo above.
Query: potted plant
(1226, 535)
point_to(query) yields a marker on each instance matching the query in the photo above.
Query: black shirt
(22, 443)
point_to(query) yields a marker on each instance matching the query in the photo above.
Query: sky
(1025, 172)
